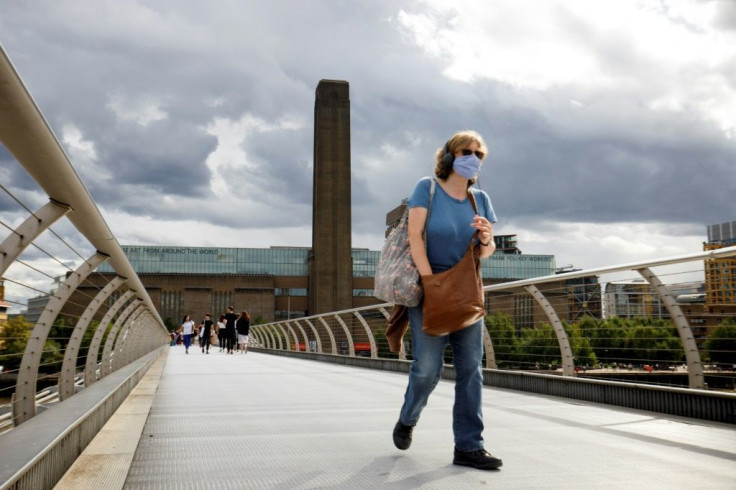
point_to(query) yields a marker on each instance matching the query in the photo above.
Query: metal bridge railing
(55, 232)
(617, 323)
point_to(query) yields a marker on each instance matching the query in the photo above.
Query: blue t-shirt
(448, 230)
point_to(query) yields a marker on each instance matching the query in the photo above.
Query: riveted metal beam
(90, 369)
(315, 333)
(333, 342)
(293, 334)
(106, 365)
(568, 360)
(68, 367)
(696, 378)
(369, 333)
(28, 231)
(118, 352)
(304, 334)
(24, 404)
(490, 353)
(351, 345)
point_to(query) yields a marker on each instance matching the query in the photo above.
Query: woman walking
(204, 338)
(452, 224)
(242, 325)
(230, 318)
(187, 329)
(221, 329)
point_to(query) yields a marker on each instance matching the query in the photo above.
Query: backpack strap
(432, 186)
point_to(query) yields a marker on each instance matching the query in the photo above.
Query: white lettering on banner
(522, 258)
(171, 251)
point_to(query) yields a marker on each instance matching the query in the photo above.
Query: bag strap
(476, 235)
(472, 200)
(432, 185)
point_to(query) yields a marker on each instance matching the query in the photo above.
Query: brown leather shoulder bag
(453, 299)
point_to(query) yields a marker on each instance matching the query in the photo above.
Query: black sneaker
(480, 459)
(402, 435)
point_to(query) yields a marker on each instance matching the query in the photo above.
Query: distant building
(35, 307)
(583, 296)
(272, 283)
(720, 274)
(636, 298)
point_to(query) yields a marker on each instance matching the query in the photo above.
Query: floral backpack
(397, 278)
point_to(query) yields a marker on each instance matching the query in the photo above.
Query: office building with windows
(270, 283)
(720, 275)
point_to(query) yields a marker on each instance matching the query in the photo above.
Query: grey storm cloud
(190, 63)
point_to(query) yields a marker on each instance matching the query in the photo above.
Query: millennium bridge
(313, 402)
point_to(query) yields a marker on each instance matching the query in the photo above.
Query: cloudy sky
(611, 124)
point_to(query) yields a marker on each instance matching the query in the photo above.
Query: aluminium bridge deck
(261, 421)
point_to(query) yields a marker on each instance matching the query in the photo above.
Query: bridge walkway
(262, 421)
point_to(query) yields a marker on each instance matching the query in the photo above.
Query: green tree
(580, 345)
(13, 339)
(721, 343)
(608, 339)
(503, 337)
(170, 324)
(650, 340)
(539, 346)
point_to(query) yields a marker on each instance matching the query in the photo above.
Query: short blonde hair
(459, 140)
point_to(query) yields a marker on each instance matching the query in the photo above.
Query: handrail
(335, 324)
(26, 134)
(634, 266)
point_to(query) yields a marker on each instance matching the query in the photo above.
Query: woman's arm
(417, 221)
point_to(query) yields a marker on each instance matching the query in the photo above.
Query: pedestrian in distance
(242, 326)
(187, 329)
(230, 318)
(205, 333)
(221, 329)
(451, 226)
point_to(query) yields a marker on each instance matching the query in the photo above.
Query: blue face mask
(467, 166)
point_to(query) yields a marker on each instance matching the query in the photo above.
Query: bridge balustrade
(53, 231)
(585, 334)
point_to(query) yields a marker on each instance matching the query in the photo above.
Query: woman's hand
(485, 234)
(485, 228)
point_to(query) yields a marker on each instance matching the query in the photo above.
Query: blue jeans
(426, 369)
(187, 340)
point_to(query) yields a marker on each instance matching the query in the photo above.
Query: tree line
(599, 342)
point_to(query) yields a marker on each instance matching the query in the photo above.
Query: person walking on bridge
(459, 216)
(187, 329)
(221, 329)
(230, 318)
(243, 328)
(206, 327)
